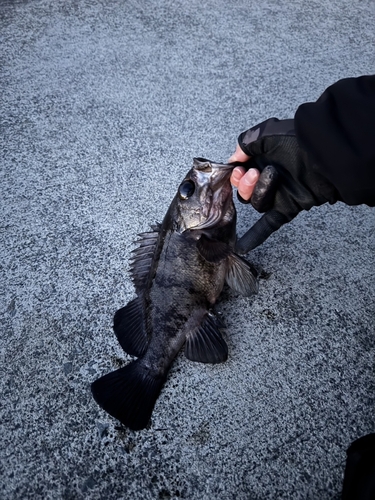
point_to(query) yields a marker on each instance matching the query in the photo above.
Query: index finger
(237, 174)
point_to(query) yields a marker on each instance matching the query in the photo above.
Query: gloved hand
(290, 185)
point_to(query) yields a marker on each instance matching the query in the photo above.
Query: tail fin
(128, 394)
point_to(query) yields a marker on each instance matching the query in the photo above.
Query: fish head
(204, 198)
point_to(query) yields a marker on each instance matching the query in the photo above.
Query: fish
(179, 270)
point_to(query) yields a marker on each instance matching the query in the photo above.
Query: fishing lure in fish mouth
(178, 270)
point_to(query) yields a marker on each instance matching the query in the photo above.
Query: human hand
(286, 185)
(242, 180)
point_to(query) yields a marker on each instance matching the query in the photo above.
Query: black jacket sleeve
(338, 133)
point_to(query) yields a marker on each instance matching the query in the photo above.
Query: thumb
(261, 230)
(238, 156)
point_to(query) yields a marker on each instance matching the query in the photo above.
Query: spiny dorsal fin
(143, 257)
(241, 276)
(205, 344)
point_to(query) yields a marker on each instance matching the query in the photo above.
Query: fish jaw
(211, 199)
(216, 190)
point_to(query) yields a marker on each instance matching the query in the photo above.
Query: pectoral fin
(205, 344)
(241, 276)
(212, 250)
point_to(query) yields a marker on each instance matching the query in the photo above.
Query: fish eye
(186, 189)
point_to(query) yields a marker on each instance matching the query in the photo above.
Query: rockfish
(179, 270)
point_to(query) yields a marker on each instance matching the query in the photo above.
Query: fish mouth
(216, 190)
(204, 165)
(211, 174)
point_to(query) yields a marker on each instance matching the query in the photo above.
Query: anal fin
(241, 276)
(129, 327)
(205, 344)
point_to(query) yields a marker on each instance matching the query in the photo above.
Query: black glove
(290, 185)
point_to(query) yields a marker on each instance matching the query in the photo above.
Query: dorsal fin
(129, 327)
(143, 257)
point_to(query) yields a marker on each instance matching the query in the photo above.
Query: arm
(338, 133)
(326, 154)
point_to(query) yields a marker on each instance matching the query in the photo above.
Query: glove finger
(264, 192)
(261, 230)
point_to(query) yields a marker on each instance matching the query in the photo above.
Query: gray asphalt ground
(104, 104)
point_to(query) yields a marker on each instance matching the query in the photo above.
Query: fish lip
(202, 164)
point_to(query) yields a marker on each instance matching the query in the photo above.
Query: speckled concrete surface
(104, 105)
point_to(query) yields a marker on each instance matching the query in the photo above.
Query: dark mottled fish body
(179, 271)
